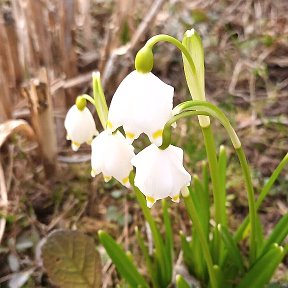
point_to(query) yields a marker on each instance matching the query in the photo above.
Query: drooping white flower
(160, 173)
(111, 155)
(80, 126)
(141, 104)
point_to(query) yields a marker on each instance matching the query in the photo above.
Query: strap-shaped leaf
(263, 269)
(222, 166)
(169, 238)
(160, 252)
(181, 283)
(259, 234)
(242, 228)
(71, 260)
(219, 276)
(148, 259)
(202, 202)
(231, 247)
(197, 194)
(123, 263)
(187, 253)
(205, 176)
(278, 234)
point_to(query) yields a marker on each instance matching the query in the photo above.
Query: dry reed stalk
(3, 202)
(67, 10)
(6, 73)
(84, 22)
(126, 49)
(39, 97)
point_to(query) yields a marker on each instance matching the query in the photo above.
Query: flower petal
(80, 126)
(141, 104)
(160, 173)
(111, 155)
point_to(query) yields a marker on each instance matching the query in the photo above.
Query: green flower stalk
(194, 71)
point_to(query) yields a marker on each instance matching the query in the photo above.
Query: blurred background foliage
(48, 50)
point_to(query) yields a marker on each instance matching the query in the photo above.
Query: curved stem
(262, 195)
(203, 106)
(166, 136)
(251, 201)
(88, 98)
(191, 209)
(198, 93)
(215, 112)
(158, 242)
(167, 38)
(214, 173)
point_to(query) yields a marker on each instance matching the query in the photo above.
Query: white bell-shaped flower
(111, 155)
(160, 173)
(80, 126)
(141, 104)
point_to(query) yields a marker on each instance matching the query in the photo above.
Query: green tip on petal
(80, 103)
(144, 60)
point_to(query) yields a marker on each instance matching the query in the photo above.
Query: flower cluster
(141, 104)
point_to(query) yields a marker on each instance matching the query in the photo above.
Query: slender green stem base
(191, 209)
(159, 245)
(213, 166)
(263, 194)
(251, 202)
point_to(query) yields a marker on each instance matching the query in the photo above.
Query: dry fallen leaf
(15, 126)
(71, 260)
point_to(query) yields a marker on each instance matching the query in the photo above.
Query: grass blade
(181, 283)
(157, 238)
(231, 247)
(205, 177)
(278, 234)
(202, 202)
(259, 234)
(123, 263)
(239, 233)
(169, 238)
(222, 166)
(149, 265)
(187, 253)
(263, 269)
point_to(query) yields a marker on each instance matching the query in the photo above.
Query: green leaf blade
(187, 253)
(231, 247)
(278, 234)
(123, 263)
(263, 269)
(169, 239)
(222, 166)
(181, 283)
